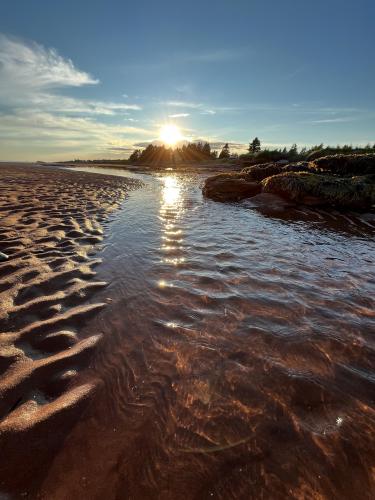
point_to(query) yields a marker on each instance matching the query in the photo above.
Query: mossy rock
(357, 193)
(344, 165)
(259, 172)
(344, 181)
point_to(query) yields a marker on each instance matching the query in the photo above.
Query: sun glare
(170, 134)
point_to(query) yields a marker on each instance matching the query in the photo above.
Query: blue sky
(93, 79)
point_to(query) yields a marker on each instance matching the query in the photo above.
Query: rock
(357, 193)
(230, 187)
(363, 164)
(344, 181)
(260, 172)
(269, 204)
(3, 257)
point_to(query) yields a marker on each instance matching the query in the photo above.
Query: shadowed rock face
(230, 187)
(342, 181)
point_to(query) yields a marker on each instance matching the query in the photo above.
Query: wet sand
(51, 226)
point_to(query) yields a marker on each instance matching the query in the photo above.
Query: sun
(170, 134)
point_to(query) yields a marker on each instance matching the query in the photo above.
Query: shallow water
(238, 359)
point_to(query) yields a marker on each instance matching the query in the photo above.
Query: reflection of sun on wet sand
(51, 220)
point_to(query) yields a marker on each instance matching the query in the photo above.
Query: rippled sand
(237, 358)
(51, 223)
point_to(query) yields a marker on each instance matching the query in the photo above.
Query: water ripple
(239, 355)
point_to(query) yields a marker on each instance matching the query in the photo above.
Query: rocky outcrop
(357, 193)
(344, 165)
(230, 187)
(259, 172)
(342, 181)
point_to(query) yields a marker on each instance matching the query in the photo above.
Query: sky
(97, 79)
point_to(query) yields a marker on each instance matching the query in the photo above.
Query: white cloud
(204, 109)
(23, 124)
(30, 75)
(184, 104)
(28, 135)
(34, 114)
(71, 105)
(232, 145)
(36, 67)
(333, 120)
(179, 115)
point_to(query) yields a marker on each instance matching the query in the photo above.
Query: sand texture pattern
(50, 229)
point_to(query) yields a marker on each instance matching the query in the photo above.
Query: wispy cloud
(183, 58)
(202, 108)
(179, 115)
(236, 146)
(33, 110)
(70, 105)
(22, 124)
(213, 56)
(183, 104)
(342, 119)
(120, 149)
(47, 132)
(37, 67)
(30, 76)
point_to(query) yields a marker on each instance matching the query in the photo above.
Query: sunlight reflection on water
(170, 211)
(171, 195)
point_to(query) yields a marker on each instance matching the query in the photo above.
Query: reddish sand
(50, 227)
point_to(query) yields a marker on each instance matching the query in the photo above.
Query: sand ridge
(51, 224)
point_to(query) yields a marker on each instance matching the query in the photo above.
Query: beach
(156, 343)
(52, 224)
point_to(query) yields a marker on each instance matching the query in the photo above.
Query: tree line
(256, 154)
(188, 152)
(193, 151)
(202, 151)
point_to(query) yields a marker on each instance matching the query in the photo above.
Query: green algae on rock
(363, 164)
(356, 193)
(342, 181)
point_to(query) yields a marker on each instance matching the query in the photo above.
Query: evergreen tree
(293, 151)
(254, 146)
(135, 155)
(225, 153)
(207, 150)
